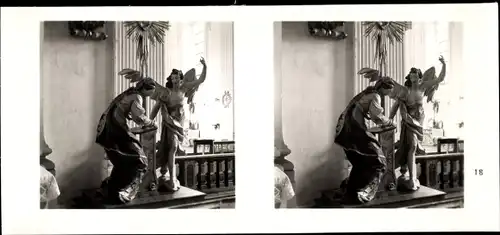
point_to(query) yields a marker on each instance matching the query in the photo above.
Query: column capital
(280, 148)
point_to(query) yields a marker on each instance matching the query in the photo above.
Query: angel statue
(361, 147)
(122, 148)
(170, 100)
(409, 100)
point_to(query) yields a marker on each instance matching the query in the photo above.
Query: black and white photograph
(136, 114)
(369, 114)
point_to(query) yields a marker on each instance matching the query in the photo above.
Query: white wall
(220, 57)
(76, 86)
(317, 84)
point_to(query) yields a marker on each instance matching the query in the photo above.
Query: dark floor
(228, 205)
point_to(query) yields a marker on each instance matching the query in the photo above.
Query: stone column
(281, 149)
(45, 150)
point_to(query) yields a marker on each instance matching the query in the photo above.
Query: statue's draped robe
(122, 147)
(172, 132)
(361, 147)
(412, 131)
(173, 116)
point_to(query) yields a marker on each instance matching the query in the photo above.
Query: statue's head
(175, 78)
(384, 86)
(414, 76)
(146, 86)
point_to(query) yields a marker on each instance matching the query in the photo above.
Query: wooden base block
(162, 200)
(387, 199)
(92, 199)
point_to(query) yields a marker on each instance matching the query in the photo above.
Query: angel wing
(189, 78)
(131, 74)
(370, 73)
(430, 75)
(398, 92)
(161, 92)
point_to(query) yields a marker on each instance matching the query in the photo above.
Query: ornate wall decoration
(384, 34)
(146, 34)
(88, 30)
(226, 99)
(327, 30)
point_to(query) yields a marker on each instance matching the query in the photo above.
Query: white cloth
(283, 190)
(49, 189)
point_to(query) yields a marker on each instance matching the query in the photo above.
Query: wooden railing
(209, 173)
(442, 171)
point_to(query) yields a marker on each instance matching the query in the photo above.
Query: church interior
(80, 77)
(317, 75)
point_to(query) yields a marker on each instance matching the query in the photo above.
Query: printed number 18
(478, 171)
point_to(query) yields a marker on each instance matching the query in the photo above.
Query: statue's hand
(148, 125)
(441, 59)
(391, 123)
(202, 61)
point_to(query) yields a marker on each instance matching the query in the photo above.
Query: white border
(253, 126)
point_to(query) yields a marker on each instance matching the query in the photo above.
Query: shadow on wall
(77, 85)
(317, 82)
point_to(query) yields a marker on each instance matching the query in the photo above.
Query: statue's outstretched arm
(155, 110)
(196, 82)
(432, 80)
(394, 109)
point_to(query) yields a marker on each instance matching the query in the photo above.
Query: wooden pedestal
(164, 200)
(183, 198)
(423, 198)
(148, 141)
(387, 140)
